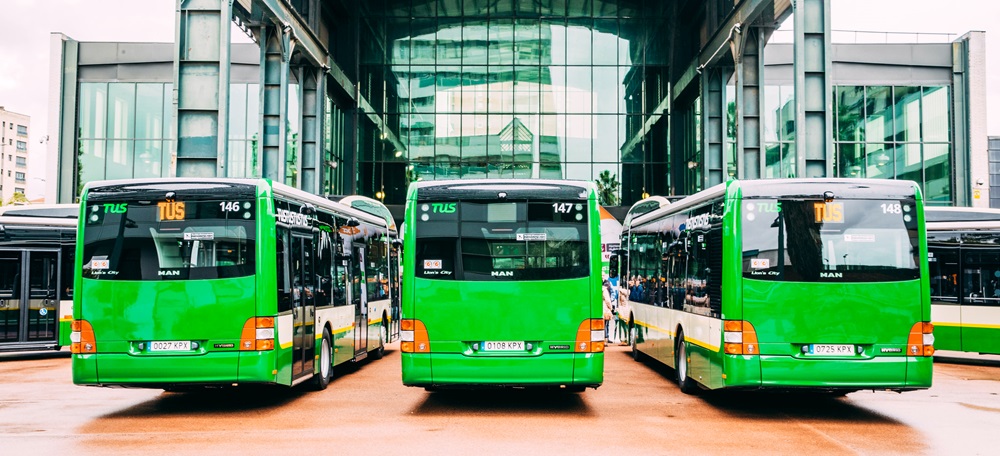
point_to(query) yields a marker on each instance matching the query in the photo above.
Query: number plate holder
(503, 346)
(831, 349)
(170, 346)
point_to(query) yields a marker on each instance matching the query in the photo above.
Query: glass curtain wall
(516, 88)
(124, 131)
(897, 132)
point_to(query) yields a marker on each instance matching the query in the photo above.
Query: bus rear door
(359, 297)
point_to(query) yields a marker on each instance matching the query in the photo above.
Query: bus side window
(284, 290)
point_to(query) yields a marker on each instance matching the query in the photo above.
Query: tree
(607, 188)
(18, 198)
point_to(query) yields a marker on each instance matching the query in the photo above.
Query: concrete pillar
(274, 67)
(813, 89)
(201, 86)
(748, 53)
(713, 102)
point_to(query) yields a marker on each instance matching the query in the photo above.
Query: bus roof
(791, 188)
(211, 184)
(489, 188)
(960, 214)
(40, 214)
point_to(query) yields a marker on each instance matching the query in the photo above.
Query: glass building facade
(522, 89)
(518, 90)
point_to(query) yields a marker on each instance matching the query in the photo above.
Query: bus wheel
(633, 332)
(380, 351)
(322, 378)
(681, 366)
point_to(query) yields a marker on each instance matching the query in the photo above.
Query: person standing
(608, 308)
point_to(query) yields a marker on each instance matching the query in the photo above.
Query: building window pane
(121, 110)
(850, 113)
(936, 114)
(148, 159)
(937, 172)
(907, 113)
(878, 110)
(119, 162)
(93, 110)
(91, 165)
(149, 122)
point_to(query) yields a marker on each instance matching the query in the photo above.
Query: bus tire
(633, 335)
(322, 377)
(684, 381)
(380, 351)
(385, 329)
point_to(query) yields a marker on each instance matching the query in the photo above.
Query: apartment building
(13, 153)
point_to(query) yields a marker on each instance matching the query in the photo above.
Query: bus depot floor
(638, 411)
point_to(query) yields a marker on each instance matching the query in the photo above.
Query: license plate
(170, 345)
(503, 346)
(831, 349)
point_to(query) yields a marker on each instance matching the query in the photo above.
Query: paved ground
(638, 411)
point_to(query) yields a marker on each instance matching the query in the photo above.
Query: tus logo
(443, 208)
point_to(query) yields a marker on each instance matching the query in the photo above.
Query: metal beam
(742, 15)
(313, 90)
(275, 52)
(201, 86)
(813, 89)
(748, 55)
(713, 99)
(68, 181)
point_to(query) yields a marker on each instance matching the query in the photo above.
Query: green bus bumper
(220, 368)
(895, 372)
(577, 369)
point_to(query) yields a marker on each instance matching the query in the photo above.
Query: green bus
(502, 285)
(214, 282)
(964, 261)
(783, 284)
(36, 276)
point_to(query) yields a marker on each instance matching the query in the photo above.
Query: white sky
(27, 24)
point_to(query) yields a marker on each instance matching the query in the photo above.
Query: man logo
(502, 273)
(831, 275)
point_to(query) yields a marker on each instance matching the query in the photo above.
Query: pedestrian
(622, 326)
(608, 308)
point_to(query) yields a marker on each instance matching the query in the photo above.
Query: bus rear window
(502, 241)
(168, 240)
(836, 241)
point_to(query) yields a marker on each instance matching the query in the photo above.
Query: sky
(26, 25)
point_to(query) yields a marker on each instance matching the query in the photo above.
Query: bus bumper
(220, 368)
(896, 372)
(431, 370)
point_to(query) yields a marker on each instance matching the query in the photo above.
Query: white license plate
(170, 345)
(831, 349)
(503, 346)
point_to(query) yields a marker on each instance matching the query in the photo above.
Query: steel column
(813, 89)
(201, 86)
(313, 90)
(274, 68)
(747, 53)
(713, 99)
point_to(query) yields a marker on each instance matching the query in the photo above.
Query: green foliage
(607, 188)
(18, 198)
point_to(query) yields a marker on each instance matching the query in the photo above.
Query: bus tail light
(590, 336)
(258, 334)
(921, 340)
(413, 336)
(82, 338)
(740, 338)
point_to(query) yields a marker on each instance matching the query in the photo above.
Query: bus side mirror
(353, 222)
(613, 266)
